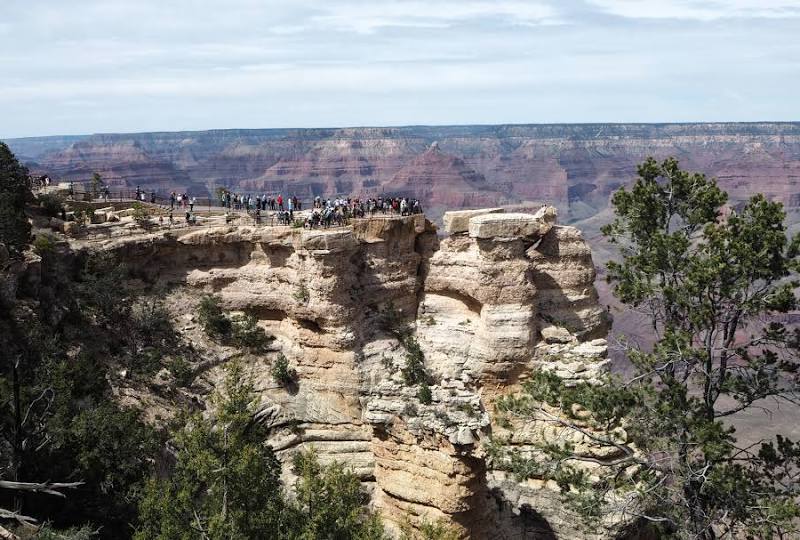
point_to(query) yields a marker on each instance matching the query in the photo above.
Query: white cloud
(367, 17)
(700, 10)
(131, 65)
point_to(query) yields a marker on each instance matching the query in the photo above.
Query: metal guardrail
(160, 200)
(268, 217)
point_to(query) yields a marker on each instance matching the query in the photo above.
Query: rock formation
(499, 296)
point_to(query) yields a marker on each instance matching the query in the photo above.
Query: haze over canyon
(572, 166)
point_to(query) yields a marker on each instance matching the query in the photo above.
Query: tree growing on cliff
(59, 423)
(226, 484)
(713, 283)
(329, 502)
(14, 192)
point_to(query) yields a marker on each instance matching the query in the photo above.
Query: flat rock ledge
(513, 225)
(457, 221)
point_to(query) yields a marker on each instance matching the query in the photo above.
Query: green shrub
(281, 372)
(141, 215)
(301, 293)
(428, 530)
(151, 323)
(43, 244)
(214, 321)
(414, 371)
(51, 203)
(424, 394)
(182, 371)
(82, 533)
(467, 409)
(80, 217)
(146, 363)
(246, 334)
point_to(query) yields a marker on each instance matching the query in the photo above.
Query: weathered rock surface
(501, 295)
(512, 225)
(457, 221)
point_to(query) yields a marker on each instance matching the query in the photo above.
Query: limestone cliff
(498, 296)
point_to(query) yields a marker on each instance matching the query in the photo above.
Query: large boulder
(458, 221)
(513, 225)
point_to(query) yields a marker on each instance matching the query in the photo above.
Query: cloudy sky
(88, 66)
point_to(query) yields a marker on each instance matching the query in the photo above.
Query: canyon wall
(500, 295)
(574, 167)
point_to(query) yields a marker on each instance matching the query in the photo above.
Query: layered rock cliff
(574, 167)
(498, 296)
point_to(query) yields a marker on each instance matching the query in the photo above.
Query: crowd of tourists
(180, 200)
(334, 212)
(235, 201)
(280, 210)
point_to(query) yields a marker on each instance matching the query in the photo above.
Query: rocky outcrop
(499, 296)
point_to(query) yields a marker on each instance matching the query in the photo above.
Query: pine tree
(226, 481)
(14, 193)
(713, 283)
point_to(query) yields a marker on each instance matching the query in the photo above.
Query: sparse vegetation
(80, 216)
(428, 530)
(213, 319)
(428, 320)
(391, 320)
(714, 287)
(301, 293)
(414, 371)
(51, 203)
(246, 334)
(424, 394)
(282, 372)
(181, 371)
(44, 244)
(241, 331)
(467, 409)
(141, 215)
(410, 409)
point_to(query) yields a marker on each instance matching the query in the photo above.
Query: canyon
(486, 301)
(573, 167)
(489, 295)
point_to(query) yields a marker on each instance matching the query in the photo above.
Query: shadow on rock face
(522, 523)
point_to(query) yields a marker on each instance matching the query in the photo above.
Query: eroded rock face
(500, 296)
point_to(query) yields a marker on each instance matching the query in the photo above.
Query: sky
(101, 66)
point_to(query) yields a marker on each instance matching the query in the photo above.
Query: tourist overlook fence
(202, 205)
(81, 192)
